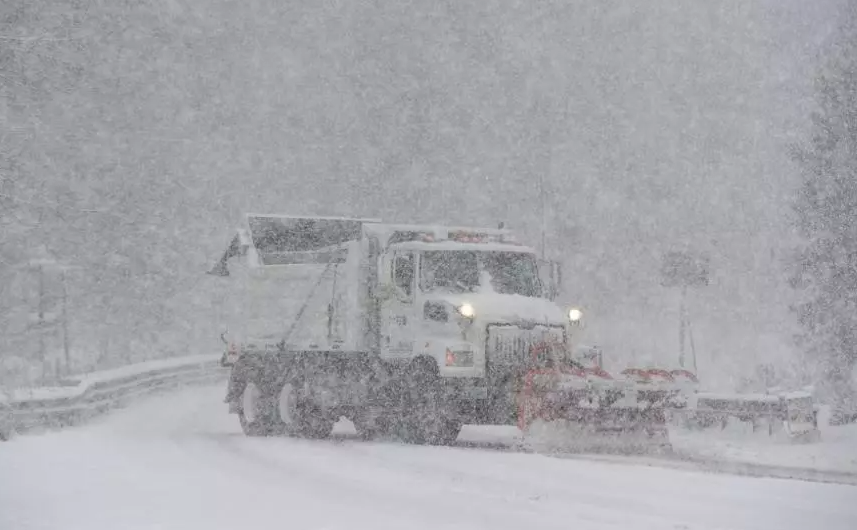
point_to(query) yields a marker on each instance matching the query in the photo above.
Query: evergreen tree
(825, 273)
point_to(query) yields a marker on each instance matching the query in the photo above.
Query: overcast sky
(652, 125)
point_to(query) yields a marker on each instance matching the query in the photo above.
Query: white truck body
(268, 293)
(342, 294)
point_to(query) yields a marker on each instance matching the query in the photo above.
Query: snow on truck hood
(508, 308)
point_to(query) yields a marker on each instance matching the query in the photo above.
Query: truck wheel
(319, 430)
(425, 427)
(298, 417)
(427, 421)
(312, 424)
(441, 431)
(369, 428)
(287, 408)
(251, 411)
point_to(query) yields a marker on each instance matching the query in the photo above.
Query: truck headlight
(466, 310)
(574, 315)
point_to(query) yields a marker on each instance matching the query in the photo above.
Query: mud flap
(238, 377)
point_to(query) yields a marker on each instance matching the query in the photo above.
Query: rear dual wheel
(284, 413)
(254, 413)
(300, 417)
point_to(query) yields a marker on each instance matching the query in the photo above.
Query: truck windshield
(454, 271)
(458, 271)
(512, 273)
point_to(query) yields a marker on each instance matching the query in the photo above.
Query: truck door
(397, 310)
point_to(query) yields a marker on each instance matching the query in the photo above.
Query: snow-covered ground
(178, 461)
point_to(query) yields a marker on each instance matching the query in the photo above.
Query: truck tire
(439, 431)
(287, 408)
(427, 420)
(370, 428)
(251, 411)
(316, 427)
(297, 417)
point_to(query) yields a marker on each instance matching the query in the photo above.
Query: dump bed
(295, 279)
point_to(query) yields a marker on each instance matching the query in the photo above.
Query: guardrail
(99, 392)
(96, 393)
(796, 412)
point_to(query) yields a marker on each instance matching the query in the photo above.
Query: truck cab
(474, 302)
(455, 289)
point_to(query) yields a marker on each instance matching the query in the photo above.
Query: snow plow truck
(410, 332)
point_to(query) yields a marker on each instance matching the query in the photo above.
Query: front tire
(371, 427)
(427, 418)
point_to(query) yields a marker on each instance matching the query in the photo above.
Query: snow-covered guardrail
(98, 392)
(95, 393)
(797, 412)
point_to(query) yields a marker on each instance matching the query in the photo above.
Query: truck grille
(510, 345)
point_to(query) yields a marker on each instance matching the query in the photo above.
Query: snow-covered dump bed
(264, 302)
(178, 462)
(279, 268)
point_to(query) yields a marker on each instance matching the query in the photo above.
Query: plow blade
(622, 430)
(564, 436)
(567, 412)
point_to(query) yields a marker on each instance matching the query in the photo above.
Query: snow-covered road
(178, 461)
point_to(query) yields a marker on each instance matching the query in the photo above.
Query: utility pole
(65, 345)
(692, 346)
(543, 207)
(682, 315)
(544, 137)
(40, 324)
